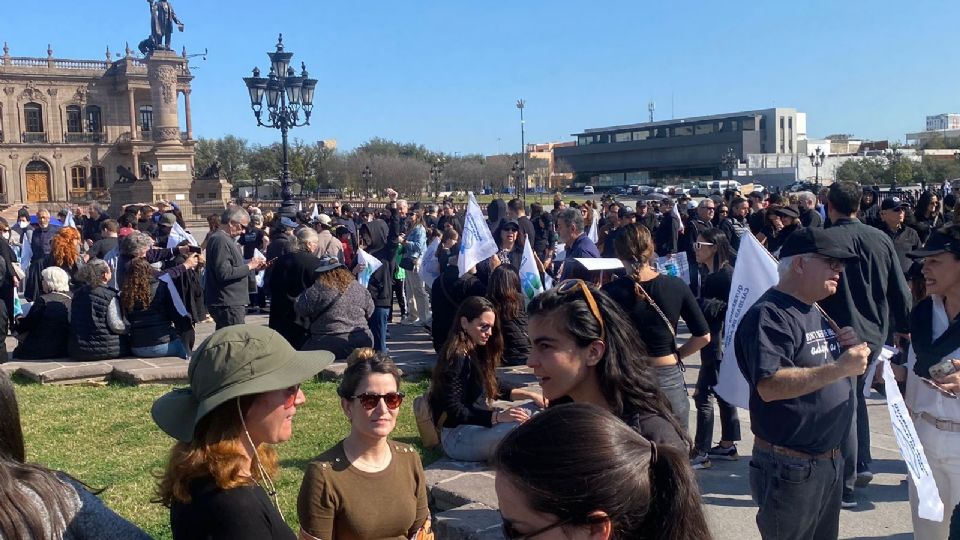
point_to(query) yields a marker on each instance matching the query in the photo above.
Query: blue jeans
(378, 327)
(174, 348)
(799, 498)
(468, 442)
(675, 389)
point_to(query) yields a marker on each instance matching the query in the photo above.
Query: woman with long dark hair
(586, 350)
(927, 216)
(655, 303)
(465, 382)
(154, 320)
(503, 290)
(715, 256)
(578, 471)
(41, 504)
(366, 469)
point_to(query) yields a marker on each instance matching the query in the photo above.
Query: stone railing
(53, 63)
(75, 138)
(33, 138)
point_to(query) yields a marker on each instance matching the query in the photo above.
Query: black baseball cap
(814, 240)
(787, 211)
(936, 244)
(894, 203)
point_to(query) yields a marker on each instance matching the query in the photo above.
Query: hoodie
(374, 236)
(496, 214)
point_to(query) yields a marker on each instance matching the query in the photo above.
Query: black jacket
(446, 295)
(872, 293)
(666, 235)
(375, 237)
(47, 326)
(155, 324)
(293, 273)
(91, 338)
(904, 240)
(459, 388)
(516, 340)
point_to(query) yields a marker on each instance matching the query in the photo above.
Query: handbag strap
(659, 311)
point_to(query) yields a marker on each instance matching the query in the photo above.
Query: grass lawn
(105, 437)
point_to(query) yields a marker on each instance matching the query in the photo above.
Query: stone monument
(167, 171)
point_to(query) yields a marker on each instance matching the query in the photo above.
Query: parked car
(588, 190)
(617, 191)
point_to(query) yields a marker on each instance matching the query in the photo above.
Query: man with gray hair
(578, 245)
(93, 224)
(801, 390)
(225, 291)
(809, 216)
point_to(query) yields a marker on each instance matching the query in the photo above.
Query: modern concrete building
(67, 125)
(938, 127)
(694, 148)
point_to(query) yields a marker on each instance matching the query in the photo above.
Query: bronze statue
(162, 19)
(126, 175)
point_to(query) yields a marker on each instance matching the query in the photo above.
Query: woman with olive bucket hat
(244, 391)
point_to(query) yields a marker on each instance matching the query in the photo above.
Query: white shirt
(920, 397)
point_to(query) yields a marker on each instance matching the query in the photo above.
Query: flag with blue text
(476, 243)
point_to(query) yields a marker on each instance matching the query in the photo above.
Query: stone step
(452, 484)
(468, 522)
(134, 371)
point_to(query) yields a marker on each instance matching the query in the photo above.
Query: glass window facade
(78, 178)
(97, 178)
(74, 120)
(146, 117)
(94, 123)
(33, 117)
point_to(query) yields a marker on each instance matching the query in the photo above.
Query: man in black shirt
(801, 391)
(695, 226)
(108, 240)
(905, 239)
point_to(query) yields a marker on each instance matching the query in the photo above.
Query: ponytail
(673, 492)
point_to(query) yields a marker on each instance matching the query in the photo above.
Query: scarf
(930, 351)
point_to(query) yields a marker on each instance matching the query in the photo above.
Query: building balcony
(84, 138)
(33, 138)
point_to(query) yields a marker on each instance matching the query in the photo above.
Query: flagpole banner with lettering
(476, 242)
(929, 504)
(754, 273)
(529, 273)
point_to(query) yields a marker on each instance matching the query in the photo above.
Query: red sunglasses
(370, 401)
(291, 398)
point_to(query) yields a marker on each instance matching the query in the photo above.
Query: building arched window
(94, 123)
(33, 118)
(74, 119)
(97, 178)
(146, 117)
(78, 178)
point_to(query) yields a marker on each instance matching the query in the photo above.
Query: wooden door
(38, 187)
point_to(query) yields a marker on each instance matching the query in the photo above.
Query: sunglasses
(291, 398)
(575, 285)
(835, 264)
(370, 401)
(510, 532)
(698, 245)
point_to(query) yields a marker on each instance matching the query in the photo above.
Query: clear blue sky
(447, 74)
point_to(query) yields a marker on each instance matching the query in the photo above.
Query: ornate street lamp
(816, 159)
(436, 176)
(287, 96)
(367, 175)
(518, 172)
(730, 161)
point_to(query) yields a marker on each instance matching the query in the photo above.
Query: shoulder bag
(429, 431)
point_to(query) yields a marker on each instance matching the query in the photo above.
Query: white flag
(315, 216)
(529, 273)
(372, 265)
(429, 265)
(69, 221)
(175, 295)
(754, 273)
(930, 505)
(300, 206)
(592, 234)
(476, 242)
(178, 235)
(675, 212)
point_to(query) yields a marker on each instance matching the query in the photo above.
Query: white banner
(69, 221)
(754, 273)
(675, 265)
(177, 235)
(175, 295)
(429, 265)
(315, 215)
(26, 250)
(675, 212)
(593, 234)
(593, 264)
(529, 273)
(476, 242)
(372, 264)
(930, 506)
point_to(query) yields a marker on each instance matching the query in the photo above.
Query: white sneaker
(701, 461)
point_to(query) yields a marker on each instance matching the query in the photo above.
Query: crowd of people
(856, 272)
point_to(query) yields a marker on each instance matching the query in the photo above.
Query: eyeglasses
(510, 532)
(835, 264)
(370, 401)
(698, 245)
(291, 398)
(710, 208)
(572, 285)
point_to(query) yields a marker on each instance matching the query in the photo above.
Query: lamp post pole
(730, 161)
(517, 171)
(816, 159)
(367, 175)
(287, 96)
(436, 176)
(523, 151)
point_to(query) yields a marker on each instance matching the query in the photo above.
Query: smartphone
(938, 388)
(942, 369)
(271, 261)
(195, 249)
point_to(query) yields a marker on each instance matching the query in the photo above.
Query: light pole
(896, 156)
(517, 171)
(436, 176)
(367, 175)
(287, 95)
(816, 159)
(523, 150)
(730, 161)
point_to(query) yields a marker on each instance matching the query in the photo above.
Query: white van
(588, 190)
(719, 186)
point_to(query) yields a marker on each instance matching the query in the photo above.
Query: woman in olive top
(366, 486)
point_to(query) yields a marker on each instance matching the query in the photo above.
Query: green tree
(232, 152)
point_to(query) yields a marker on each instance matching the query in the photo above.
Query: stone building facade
(66, 126)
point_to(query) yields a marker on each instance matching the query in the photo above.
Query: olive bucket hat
(236, 361)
